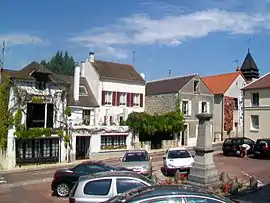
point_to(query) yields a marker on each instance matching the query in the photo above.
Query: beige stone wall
(169, 143)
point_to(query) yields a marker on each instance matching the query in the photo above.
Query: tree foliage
(4, 112)
(146, 124)
(60, 63)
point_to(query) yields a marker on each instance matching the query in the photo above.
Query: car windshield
(135, 156)
(175, 154)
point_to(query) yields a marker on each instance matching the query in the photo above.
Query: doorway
(183, 136)
(82, 147)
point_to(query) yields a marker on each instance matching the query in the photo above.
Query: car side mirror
(193, 155)
(164, 157)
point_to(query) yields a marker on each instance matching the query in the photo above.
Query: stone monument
(204, 171)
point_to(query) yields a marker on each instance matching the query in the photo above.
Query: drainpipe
(222, 118)
(243, 106)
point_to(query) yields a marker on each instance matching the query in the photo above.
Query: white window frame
(136, 100)
(108, 98)
(188, 110)
(123, 99)
(252, 127)
(200, 107)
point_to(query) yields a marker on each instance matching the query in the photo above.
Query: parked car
(99, 187)
(262, 148)
(139, 161)
(177, 159)
(64, 179)
(233, 146)
(168, 193)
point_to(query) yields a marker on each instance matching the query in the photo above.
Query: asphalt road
(33, 186)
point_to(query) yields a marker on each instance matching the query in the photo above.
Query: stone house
(256, 96)
(190, 93)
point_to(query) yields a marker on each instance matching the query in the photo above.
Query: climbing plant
(146, 124)
(6, 117)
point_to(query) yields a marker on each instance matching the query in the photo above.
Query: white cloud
(172, 30)
(20, 39)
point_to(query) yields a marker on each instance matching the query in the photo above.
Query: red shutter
(128, 99)
(118, 99)
(141, 100)
(103, 98)
(131, 99)
(114, 99)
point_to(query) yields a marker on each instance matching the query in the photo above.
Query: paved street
(32, 186)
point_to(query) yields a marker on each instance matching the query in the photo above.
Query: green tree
(60, 63)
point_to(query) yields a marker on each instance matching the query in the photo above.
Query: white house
(227, 110)
(104, 93)
(37, 95)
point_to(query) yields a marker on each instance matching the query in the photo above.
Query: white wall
(235, 91)
(115, 111)
(92, 78)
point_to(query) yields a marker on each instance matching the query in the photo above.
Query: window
(255, 122)
(35, 117)
(204, 107)
(202, 200)
(121, 119)
(196, 86)
(255, 99)
(108, 98)
(88, 168)
(185, 107)
(123, 99)
(235, 103)
(98, 187)
(110, 142)
(136, 100)
(165, 200)
(175, 154)
(135, 156)
(40, 85)
(82, 91)
(111, 120)
(124, 185)
(248, 141)
(86, 116)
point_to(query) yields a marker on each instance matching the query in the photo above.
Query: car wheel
(62, 190)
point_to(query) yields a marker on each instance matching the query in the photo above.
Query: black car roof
(163, 190)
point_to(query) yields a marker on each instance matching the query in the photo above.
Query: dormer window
(82, 91)
(40, 85)
(196, 86)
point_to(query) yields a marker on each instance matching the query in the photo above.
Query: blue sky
(187, 36)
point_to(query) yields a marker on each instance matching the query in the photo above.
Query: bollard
(234, 187)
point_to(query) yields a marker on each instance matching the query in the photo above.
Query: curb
(58, 165)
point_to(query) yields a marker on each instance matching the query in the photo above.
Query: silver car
(99, 187)
(139, 161)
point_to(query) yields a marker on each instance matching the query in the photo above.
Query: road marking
(2, 180)
(246, 174)
(26, 183)
(220, 163)
(44, 172)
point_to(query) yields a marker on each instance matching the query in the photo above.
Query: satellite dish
(142, 75)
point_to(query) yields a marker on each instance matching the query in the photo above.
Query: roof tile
(261, 83)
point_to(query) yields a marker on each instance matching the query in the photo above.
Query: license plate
(257, 152)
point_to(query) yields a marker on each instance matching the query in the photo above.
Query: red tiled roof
(219, 84)
(261, 83)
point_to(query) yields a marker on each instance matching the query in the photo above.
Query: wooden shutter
(118, 98)
(141, 100)
(200, 107)
(114, 98)
(103, 98)
(128, 99)
(49, 116)
(208, 107)
(132, 99)
(189, 107)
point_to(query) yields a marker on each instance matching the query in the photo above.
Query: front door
(183, 136)
(82, 147)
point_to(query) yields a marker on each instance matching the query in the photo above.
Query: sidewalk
(103, 156)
